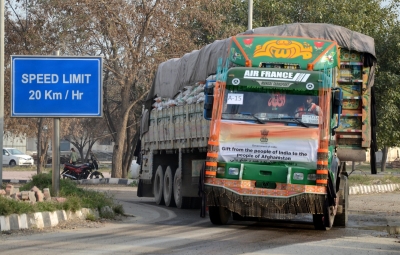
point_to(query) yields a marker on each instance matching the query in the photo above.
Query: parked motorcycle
(79, 172)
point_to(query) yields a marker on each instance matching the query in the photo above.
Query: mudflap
(145, 189)
(202, 193)
(331, 203)
(140, 188)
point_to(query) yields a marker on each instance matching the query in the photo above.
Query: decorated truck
(261, 124)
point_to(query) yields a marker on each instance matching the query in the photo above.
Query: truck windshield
(271, 106)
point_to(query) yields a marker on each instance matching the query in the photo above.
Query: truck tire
(168, 190)
(158, 186)
(195, 203)
(180, 201)
(219, 215)
(343, 195)
(323, 221)
(238, 217)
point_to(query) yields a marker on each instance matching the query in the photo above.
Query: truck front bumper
(242, 197)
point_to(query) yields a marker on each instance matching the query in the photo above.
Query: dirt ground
(384, 202)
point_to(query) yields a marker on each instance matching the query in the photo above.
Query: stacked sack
(188, 95)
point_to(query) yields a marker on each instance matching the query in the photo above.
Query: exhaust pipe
(70, 176)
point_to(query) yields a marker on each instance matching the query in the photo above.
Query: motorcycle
(79, 172)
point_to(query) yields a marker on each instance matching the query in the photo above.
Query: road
(164, 230)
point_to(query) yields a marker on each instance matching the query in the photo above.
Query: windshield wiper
(301, 122)
(294, 119)
(259, 120)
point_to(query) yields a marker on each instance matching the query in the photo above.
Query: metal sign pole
(2, 9)
(55, 147)
(250, 16)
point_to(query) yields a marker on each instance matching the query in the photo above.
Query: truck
(280, 111)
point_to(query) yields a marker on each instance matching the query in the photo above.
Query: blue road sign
(54, 86)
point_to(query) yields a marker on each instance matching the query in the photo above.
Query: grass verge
(76, 198)
(360, 179)
(366, 168)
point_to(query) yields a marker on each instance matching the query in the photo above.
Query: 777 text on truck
(261, 124)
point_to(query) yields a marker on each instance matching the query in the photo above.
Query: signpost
(54, 86)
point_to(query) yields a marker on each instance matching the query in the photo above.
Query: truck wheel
(323, 221)
(195, 202)
(168, 190)
(238, 217)
(219, 215)
(318, 221)
(343, 195)
(180, 201)
(158, 186)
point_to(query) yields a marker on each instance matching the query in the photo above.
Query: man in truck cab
(309, 108)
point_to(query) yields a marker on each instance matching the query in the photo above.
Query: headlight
(221, 170)
(312, 177)
(298, 176)
(233, 171)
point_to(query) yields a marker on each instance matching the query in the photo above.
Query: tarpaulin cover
(174, 74)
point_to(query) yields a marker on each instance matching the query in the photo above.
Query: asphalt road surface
(165, 230)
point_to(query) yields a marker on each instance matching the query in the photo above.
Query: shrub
(76, 197)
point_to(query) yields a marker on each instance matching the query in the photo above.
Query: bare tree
(84, 133)
(27, 33)
(132, 36)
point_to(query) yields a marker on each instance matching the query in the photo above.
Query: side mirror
(337, 102)
(208, 100)
(208, 105)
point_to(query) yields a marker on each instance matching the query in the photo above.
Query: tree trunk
(121, 142)
(384, 158)
(43, 156)
(120, 146)
(116, 171)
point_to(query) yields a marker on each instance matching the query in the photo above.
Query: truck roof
(174, 74)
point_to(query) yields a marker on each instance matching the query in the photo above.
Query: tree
(387, 91)
(28, 32)
(378, 19)
(127, 34)
(135, 36)
(84, 133)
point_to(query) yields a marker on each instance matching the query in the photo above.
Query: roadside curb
(15, 181)
(118, 181)
(369, 189)
(42, 219)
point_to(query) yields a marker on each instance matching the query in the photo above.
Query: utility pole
(250, 16)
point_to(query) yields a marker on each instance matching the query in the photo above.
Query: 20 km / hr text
(50, 95)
